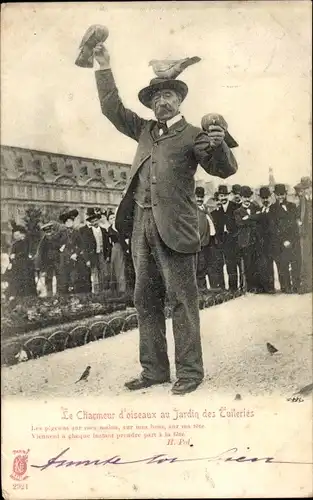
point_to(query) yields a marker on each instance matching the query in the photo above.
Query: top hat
(93, 213)
(236, 189)
(306, 182)
(20, 228)
(199, 191)
(280, 189)
(264, 192)
(68, 214)
(145, 94)
(246, 191)
(222, 189)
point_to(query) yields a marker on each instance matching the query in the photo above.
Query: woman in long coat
(119, 249)
(22, 273)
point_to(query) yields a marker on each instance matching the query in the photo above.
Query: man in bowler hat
(246, 221)
(236, 196)
(96, 249)
(159, 210)
(68, 251)
(285, 240)
(305, 226)
(226, 234)
(207, 262)
(264, 246)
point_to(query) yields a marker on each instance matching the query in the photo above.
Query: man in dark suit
(285, 240)
(246, 220)
(159, 210)
(226, 234)
(95, 241)
(236, 196)
(208, 264)
(265, 262)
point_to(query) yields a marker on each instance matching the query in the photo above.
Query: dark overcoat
(173, 158)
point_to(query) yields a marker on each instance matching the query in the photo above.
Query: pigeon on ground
(271, 349)
(94, 35)
(168, 68)
(237, 397)
(305, 390)
(85, 374)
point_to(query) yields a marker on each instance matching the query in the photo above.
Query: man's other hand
(102, 56)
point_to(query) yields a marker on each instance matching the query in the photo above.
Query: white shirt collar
(173, 120)
(225, 206)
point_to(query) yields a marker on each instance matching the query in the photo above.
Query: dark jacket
(221, 219)
(174, 158)
(283, 225)
(89, 244)
(247, 228)
(116, 237)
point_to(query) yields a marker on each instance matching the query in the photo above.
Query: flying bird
(95, 34)
(85, 374)
(271, 349)
(169, 68)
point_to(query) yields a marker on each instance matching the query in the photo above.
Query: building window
(83, 171)
(21, 191)
(124, 176)
(90, 196)
(98, 172)
(54, 167)
(69, 168)
(111, 174)
(19, 163)
(9, 190)
(37, 164)
(3, 162)
(60, 195)
(40, 193)
(29, 191)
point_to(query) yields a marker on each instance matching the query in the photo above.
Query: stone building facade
(53, 182)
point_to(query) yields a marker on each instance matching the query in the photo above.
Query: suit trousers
(162, 272)
(210, 263)
(288, 263)
(230, 252)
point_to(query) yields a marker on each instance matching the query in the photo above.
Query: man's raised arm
(125, 120)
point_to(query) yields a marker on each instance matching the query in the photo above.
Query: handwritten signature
(225, 456)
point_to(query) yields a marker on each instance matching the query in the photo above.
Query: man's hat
(264, 192)
(20, 228)
(298, 187)
(93, 213)
(68, 214)
(199, 191)
(222, 189)
(236, 189)
(306, 182)
(145, 94)
(280, 189)
(246, 191)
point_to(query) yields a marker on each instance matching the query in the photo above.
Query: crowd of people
(248, 233)
(69, 259)
(241, 238)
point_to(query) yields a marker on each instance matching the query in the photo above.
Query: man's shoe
(142, 383)
(184, 386)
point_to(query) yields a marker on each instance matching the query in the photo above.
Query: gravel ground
(234, 337)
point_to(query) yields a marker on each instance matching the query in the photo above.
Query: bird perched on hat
(68, 214)
(168, 68)
(145, 94)
(95, 34)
